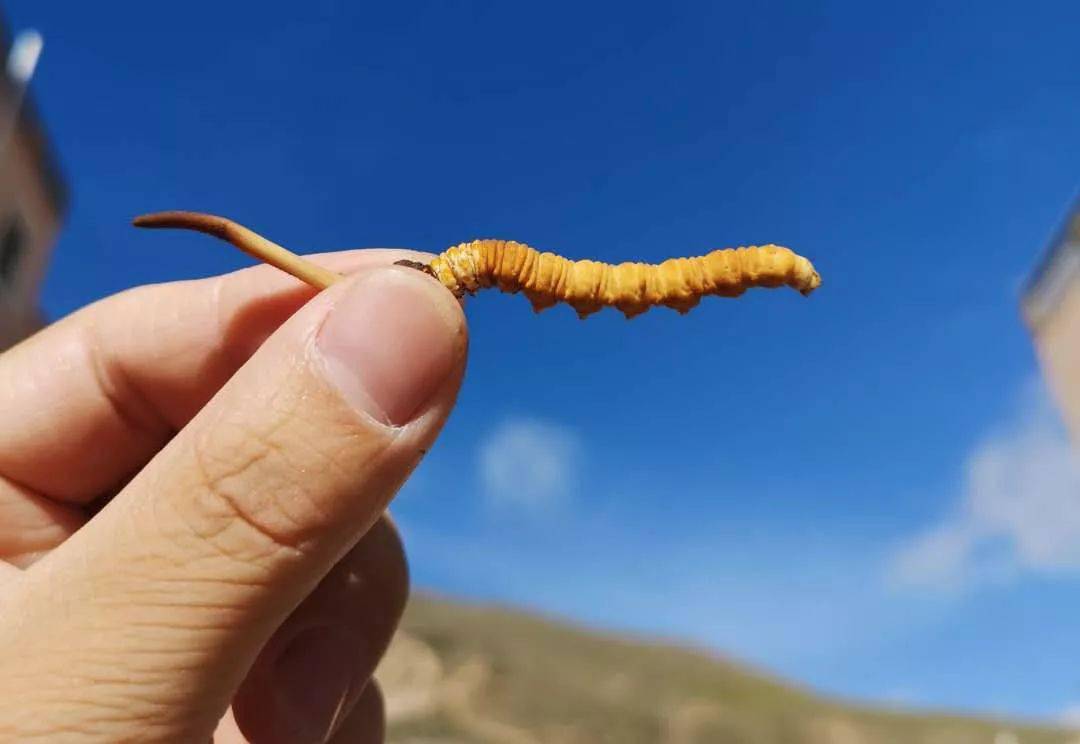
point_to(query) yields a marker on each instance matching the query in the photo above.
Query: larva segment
(633, 288)
(545, 278)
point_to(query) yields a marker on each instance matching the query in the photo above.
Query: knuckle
(255, 490)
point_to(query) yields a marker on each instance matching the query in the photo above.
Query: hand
(190, 498)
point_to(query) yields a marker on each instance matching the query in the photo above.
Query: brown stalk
(246, 240)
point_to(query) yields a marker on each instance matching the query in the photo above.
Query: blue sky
(852, 490)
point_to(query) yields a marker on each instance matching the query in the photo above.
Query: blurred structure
(1051, 307)
(33, 197)
(477, 673)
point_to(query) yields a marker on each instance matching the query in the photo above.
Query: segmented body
(633, 288)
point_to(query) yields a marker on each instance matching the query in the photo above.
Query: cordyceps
(545, 278)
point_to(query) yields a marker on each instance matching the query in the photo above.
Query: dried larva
(633, 288)
(545, 278)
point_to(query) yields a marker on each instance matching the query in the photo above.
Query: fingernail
(390, 343)
(314, 678)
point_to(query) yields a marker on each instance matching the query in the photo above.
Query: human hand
(190, 539)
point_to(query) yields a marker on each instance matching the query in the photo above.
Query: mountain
(470, 674)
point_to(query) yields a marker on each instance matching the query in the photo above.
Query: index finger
(88, 401)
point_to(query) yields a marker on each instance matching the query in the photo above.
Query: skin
(193, 478)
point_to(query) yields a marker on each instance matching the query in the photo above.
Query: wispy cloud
(1019, 510)
(529, 464)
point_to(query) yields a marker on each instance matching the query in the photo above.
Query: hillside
(460, 674)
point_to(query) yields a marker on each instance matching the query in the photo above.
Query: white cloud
(1019, 510)
(530, 464)
(937, 556)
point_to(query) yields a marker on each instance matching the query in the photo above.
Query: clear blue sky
(838, 489)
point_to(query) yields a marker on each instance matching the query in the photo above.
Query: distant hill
(461, 674)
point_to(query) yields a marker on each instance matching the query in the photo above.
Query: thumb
(148, 618)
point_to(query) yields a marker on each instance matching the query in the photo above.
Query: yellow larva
(633, 288)
(546, 278)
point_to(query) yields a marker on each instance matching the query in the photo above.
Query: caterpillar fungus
(545, 278)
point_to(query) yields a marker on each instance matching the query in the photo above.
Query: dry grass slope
(461, 674)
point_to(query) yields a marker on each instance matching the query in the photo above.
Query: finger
(366, 723)
(97, 394)
(31, 525)
(308, 678)
(156, 609)
(227, 732)
(8, 573)
(252, 303)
